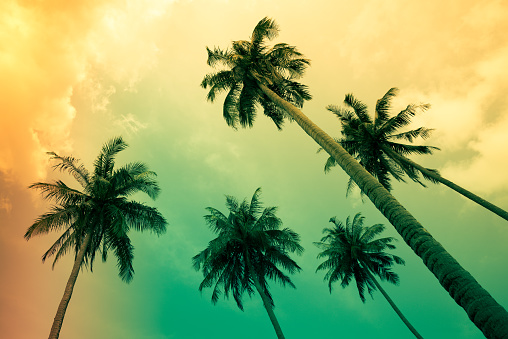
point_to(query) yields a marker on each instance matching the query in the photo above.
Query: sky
(75, 74)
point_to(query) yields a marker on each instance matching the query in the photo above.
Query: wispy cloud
(5, 204)
(130, 124)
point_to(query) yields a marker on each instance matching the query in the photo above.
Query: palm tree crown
(351, 252)
(372, 142)
(98, 217)
(250, 247)
(100, 210)
(249, 64)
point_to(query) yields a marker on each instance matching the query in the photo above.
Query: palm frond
(65, 240)
(383, 106)
(135, 177)
(217, 221)
(218, 82)
(72, 165)
(66, 245)
(218, 56)
(59, 192)
(230, 110)
(103, 165)
(255, 205)
(359, 108)
(265, 29)
(142, 217)
(421, 132)
(287, 60)
(247, 101)
(292, 91)
(124, 254)
(273, 111)
(58, 218)
(402, 119)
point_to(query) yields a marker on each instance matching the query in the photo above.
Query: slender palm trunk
(60, 313)
(482, 202)
(490, 317)
(266, 301)
(395, 308)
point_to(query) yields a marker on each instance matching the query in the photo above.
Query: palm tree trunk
(395, 308)
(266, 301)
(490, 317)
(482, 202)
(60, 313)
(269, 309)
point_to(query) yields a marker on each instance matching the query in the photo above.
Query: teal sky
(76, 75)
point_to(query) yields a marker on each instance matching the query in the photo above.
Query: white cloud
(486, 172)
(130, 124)
(122, 44)
(473, 124)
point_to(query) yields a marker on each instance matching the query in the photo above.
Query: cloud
(459, 65)
(122, 45)
(130, 124)
(486, 172)
(51, 47)
(39, 68)
(5, 204)
(470, 128)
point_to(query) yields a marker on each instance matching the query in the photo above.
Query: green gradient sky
(76, 75)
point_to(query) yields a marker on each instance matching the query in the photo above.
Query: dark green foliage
(370, 141)
(101, 208)
(351, 250)
(249, 63)
(249, 234)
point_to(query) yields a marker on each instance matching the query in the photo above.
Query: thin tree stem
(464, 192)
(266, 302)
(62, 307)
(483, 310)
(395, 308)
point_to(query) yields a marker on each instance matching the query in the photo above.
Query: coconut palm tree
(270, 75)
(374, 144)
(352, 252)
(97, 218)
(254, 74)
(249, 249)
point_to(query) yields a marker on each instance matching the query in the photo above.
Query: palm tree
(97, 218)
(255, 74)
(353, 253)
(264, 75)
(250, 247)
(374, 144)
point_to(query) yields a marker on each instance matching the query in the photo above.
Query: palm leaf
(383, 106)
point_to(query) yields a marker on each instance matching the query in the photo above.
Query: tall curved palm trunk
(464, 192)
(490, 317)
(62, 307)
(266, 301)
